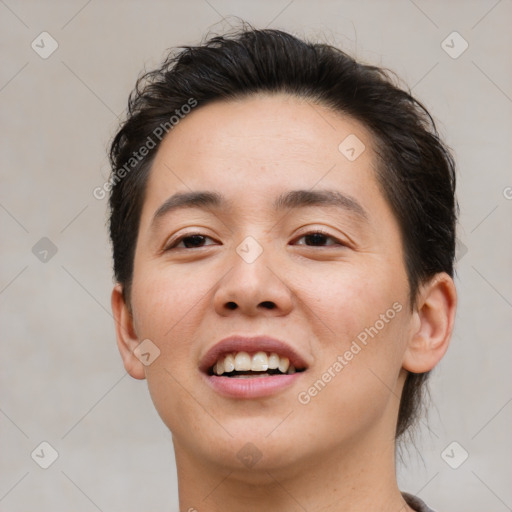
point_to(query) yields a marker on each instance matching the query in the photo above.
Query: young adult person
(283, 228)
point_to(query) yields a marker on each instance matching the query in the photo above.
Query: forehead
(263, 144)
(265, 128)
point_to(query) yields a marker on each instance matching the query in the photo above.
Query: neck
(359, 476)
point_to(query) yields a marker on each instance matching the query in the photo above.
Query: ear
(127, 340)
(432, 324)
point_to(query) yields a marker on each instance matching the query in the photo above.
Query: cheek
(352, 299)
(167, 309)
(356, 382)
(162, 298)
(367, 316)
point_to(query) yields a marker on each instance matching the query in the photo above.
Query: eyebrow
(291, 199)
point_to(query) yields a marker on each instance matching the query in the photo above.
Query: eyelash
(313, 232)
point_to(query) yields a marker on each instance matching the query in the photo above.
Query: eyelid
(171, 244)
(321, 231)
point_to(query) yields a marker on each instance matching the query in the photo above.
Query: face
(327, 278)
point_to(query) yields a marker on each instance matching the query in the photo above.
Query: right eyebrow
(196, 199)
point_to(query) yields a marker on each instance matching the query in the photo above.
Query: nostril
(268, 304)
(231, 305)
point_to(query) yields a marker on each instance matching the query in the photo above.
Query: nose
(253, 288)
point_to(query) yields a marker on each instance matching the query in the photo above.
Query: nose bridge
(252, 284)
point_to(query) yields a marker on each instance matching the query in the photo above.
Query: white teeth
(259, 362)
(284, 363)
(217, 368)
(243, 362)
(273, 361)
(229, 363)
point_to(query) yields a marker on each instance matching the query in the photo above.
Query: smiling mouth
(242, 365)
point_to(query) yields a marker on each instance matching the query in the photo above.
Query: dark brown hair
(416, 171)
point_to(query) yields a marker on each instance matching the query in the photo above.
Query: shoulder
(416, 503)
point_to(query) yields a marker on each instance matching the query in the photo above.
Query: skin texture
(337, 451)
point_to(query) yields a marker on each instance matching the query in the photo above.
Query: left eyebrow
(326, 197)
(291, 199)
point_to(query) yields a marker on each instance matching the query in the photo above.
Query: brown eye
(318, 238)
(189, 241)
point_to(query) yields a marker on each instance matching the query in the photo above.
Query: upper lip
(250, 344)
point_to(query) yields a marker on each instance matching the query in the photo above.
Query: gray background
(62, 380)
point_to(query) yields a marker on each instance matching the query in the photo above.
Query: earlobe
(127, 339)
(433, 321)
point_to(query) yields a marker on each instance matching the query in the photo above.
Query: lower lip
(253, 387)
